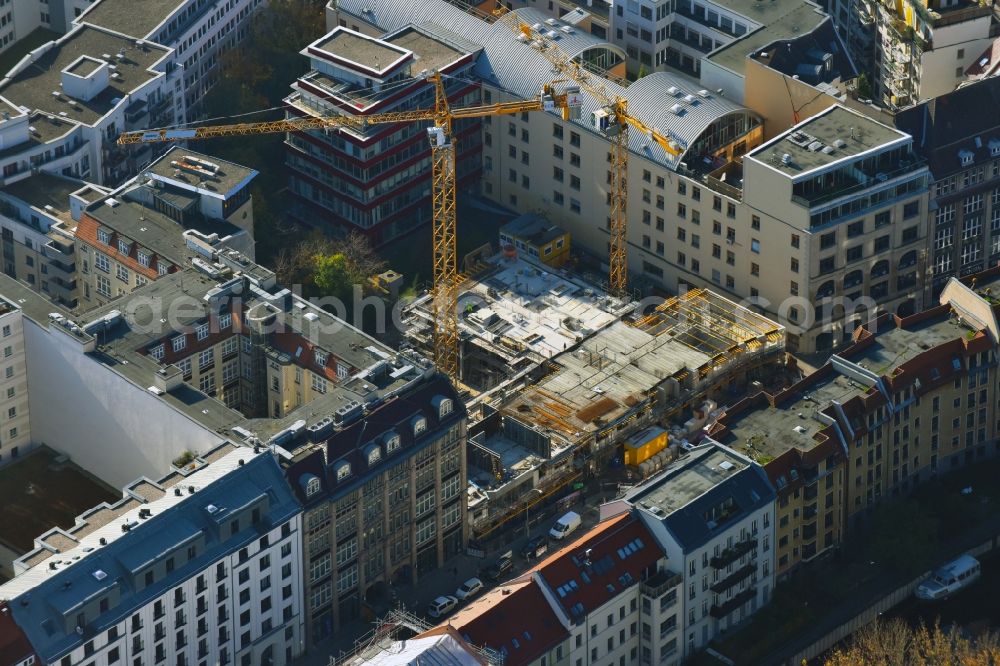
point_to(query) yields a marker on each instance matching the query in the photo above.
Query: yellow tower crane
(445, 274)
(613, 120)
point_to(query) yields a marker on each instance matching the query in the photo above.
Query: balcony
(730, 555)
(720, 611)
(735, 578)
(658, 584)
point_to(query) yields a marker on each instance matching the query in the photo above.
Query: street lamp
(527, 508)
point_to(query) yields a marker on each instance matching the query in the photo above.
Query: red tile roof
(86, 231)
(594, 581)
(514, 619)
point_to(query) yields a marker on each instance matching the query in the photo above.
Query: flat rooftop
(154, 230)
(779, 19)
(689, 478)
(135, 18)
(895, 346)
(536, 309)
(831, 136)
(44, 189)
(766, 432)
(43, 490)
(196, 171)
(533, 229)
(33, 86)
(371, 53)
(43, 128)
(429, 52)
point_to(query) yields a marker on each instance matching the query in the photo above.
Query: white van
(952, 577)
(565, 525)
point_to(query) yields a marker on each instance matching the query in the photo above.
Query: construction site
(567, 382)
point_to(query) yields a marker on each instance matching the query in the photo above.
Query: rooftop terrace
(32, 85)
(831, 136)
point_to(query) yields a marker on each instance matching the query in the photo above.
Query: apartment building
(15, 423)
(682, 557)
(597, 600)
(924, 47)
(377, 180)
(801, 451)
(38, 218)
(838, 207)
(198, 32)
(384, 501)
(962, 148)
(67, 101)
(706, 39)
(202, 567)
(712, 513)
(909, 399)
(183, 207)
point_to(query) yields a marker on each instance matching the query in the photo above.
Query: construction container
(645, 444)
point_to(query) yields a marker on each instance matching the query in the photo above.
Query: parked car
(500, 567)
(469, 589)
(442, 606)
(536, 547)
(949, 579)
(565, 525)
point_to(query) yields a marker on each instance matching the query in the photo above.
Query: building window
(157, 352)
(202, 332)
(318, 384)
(321, 358)
(103, 286)
(205, 359)
(178, 343)
(124, 246)
(102, 262)
(104, 236)
(144, 258)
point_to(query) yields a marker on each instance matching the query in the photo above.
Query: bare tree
(895, 643)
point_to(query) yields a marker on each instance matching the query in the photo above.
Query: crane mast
(614, 121)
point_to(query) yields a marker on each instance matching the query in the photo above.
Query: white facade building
(712, 513)
(203, 568)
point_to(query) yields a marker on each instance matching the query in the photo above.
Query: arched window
(908, 259)
(826, 289)
(880, 268)
(343, 471)
(853, 279)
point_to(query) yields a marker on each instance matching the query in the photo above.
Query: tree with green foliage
(332, 274)
(864, 86)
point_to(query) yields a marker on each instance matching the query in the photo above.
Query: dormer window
(374, 455)
(310, 483)
(965, 157)
(124, 246)
(321, 358)
(391, 442)
(162, 268)
(104, 236)
(419, 425)
(444, 409)
(995, 147)
(343, 471)
(178, 343)
(145, 258)
(202, 331)
(225, 320)
(157, 352)
(342, 371)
